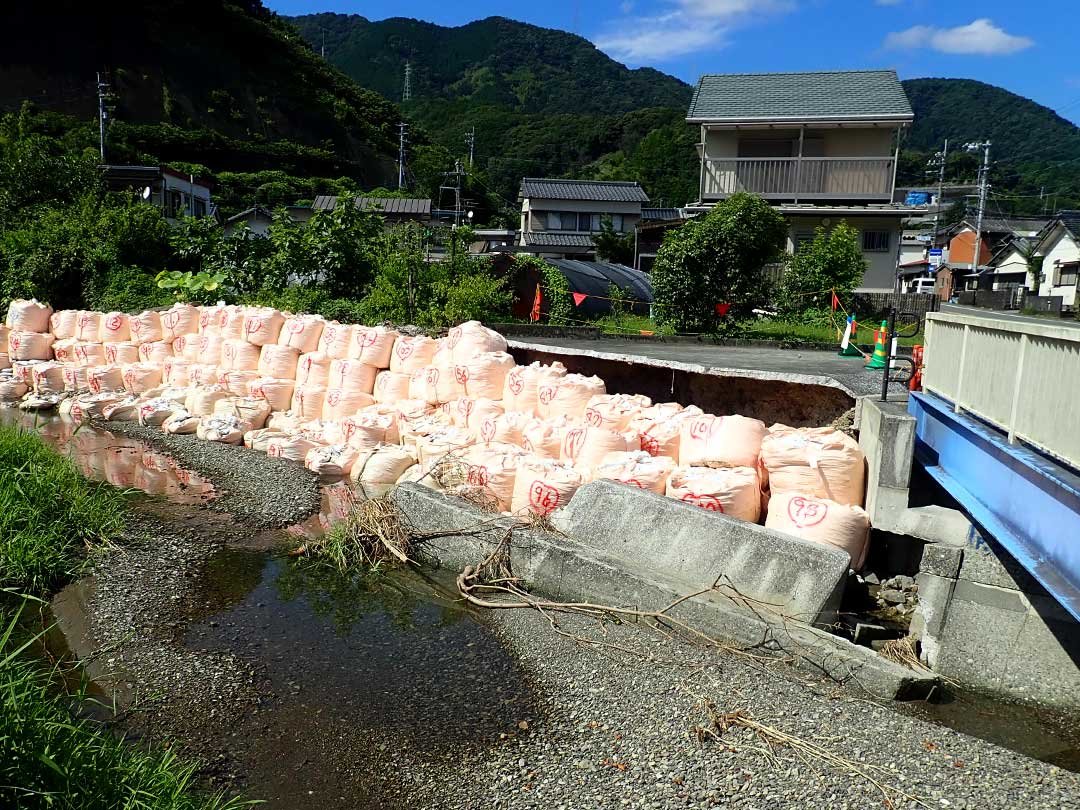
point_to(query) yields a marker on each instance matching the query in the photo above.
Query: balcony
(813, 178)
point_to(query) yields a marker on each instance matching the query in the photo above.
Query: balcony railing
(799, 178)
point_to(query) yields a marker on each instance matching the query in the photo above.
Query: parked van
(924, 285)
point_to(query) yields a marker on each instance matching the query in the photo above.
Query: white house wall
(1061, 251)
(881, 267)
(631, 211)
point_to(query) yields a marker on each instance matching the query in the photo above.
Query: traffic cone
(847, 345)
(879, 360)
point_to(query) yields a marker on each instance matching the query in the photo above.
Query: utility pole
(984, 174)
(403, 134)
(470, 141)
(406, 91)
(102, 92)
(939, 159)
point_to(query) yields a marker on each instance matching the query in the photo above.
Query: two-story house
(1058, 247)
(821, 147)
(560, 217)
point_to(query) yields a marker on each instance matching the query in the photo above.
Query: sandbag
(332, 460)
(352, 375)
(140, 377)
(153, 412)
(5, 360)
(76, 378)
(411, 353)
(278, 361)
(721, 441)
(614, 411)
(734, 491)
(125, 410)
(821, 462)
(146, 328)
(120, 354)
(157, 352)
(505, 427)
(543, 437)
(252, 412)
(277, 392)
(313, 368)
(342, 402)
(176, 371)
(231, 323)
(542, 486)
(488, 471)
(368, 429)
(637, 469)
(323, 431)
(63, 323)
(659, 427)
(260, 438)
(336, 340)
(301, 332)
(100, 379)
(181, 423)
(484, 374)
(28, 315)
(187, 347)
(114, 328)
(471, 413)
(48, 378)
(391, 386)
(373, 345)
(262, 325)
(88, 327)
(89, 354)
(210, 320)
(63, 350)
(307, 401)
(180, 319)
(568, 395)
(12, 390)
(443, 357)
(822, 521)
(469, 339)
(200, 374)
(200, 401)
(435, 385)
(383, 464)
(436, 445)
(23, 370)
(29, 345)
(292, 448)
(239, 355)
(585, 447)
(236, 382)
(224, 429)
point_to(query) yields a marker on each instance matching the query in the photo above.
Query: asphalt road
(1009, 316)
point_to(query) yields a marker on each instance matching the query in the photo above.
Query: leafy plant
(833, 261)
(560, 304)
(188, 286)
(612, 246)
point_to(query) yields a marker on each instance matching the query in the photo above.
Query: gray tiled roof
(593, 190)
(555, 239)
(857, 94)
(394, 206)
(661, 213)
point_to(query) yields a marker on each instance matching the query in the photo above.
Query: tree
(833, 261)
(612, 246)
(716, 259)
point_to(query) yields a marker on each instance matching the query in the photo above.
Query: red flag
(722, 309)
(835, 301)
(537, 300)
(578, 298)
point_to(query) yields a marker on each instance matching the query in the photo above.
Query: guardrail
(811, 178)
(1022, 377)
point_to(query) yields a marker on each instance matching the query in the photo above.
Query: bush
(832, 261)
(714, 259)
(49, 513)
(557, 292)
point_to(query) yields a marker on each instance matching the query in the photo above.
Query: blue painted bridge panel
(1029, 504)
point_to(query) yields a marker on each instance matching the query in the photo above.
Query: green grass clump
(49, 514)
(52, 758)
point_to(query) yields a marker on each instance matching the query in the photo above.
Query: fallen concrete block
(654, 535)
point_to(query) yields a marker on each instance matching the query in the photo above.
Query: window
(801, 240)
(200, 207)
(875, 241)
(1068, 274)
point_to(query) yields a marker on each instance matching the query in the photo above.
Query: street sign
(935, 257)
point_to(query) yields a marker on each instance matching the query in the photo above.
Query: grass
(50, 757)
(764, 329)
(50, 516)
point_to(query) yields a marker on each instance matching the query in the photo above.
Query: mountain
(222, 83)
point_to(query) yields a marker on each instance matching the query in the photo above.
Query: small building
(258, 219)
(655, 222)
(996, 235)
(393, 210)
(560, 217)
(1058, 246)
(176, 194)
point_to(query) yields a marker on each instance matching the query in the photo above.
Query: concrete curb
(563, 569)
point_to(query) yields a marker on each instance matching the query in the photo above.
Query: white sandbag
(89, 354)
(176, 371)
(301, 332)
(181, 423)
(307, 401)
(488, 471)
(236, 382)
(88, 327)
(239, 355)
(63, 323)
(12, 390)
(471, 413)
(210, 319)
(48, 378)
(224, 429)
(435, 385)
(277, 392)
(126, 410)
(352, 375)
(373, 345)
(637, 469)
(23, 370)
(285, 421)
(391, 386)
(471, 338)
(484, 374)
(507, 427)
(735, 491)
(28, 315)
(336, 340)
(614, 411)
(323, 431)
(821, 521)
(100, 379)
(231, 323)
(313, 368)
(5, 360)
(259, 439)
(436, 445)
(342, 402)
(200, 374)
(262, 325)
(821, 462)
(568, 395)
(157, 352)
(146, 328)
(63, 350)
(543, 437)
(585, 447)
(251, 411)
(541, 486)
(658, 428)
(29, 345)
(721, 441)
(369, 429)
(200, 400)
(332, 460)
(76, 379)
(187, 347)
(411, 353)
(444, 356)
(383, 464)
(114, 328)
(278, 361)
(140, 377)
(153, 412)
(180, 319)
(291, 448)
(120, 354)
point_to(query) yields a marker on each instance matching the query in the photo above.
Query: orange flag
(537, 300)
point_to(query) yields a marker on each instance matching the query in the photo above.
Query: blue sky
(1029, 48)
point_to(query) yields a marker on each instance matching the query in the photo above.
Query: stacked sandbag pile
(455, 413)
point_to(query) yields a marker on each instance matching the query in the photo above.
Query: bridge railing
(1020, 376)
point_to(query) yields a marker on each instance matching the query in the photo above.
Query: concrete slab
(651, 533)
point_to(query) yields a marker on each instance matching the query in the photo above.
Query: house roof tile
(396, 206)
(555, 239)
(593, 190)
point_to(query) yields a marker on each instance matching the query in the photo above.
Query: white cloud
(980, 37)
(687, 26)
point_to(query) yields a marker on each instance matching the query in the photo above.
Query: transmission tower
(103, 113)
(403, 139)
(406, 91)
(470, 141)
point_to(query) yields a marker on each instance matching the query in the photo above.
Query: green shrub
(832, 261)
(560, 309)
(49, 514)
